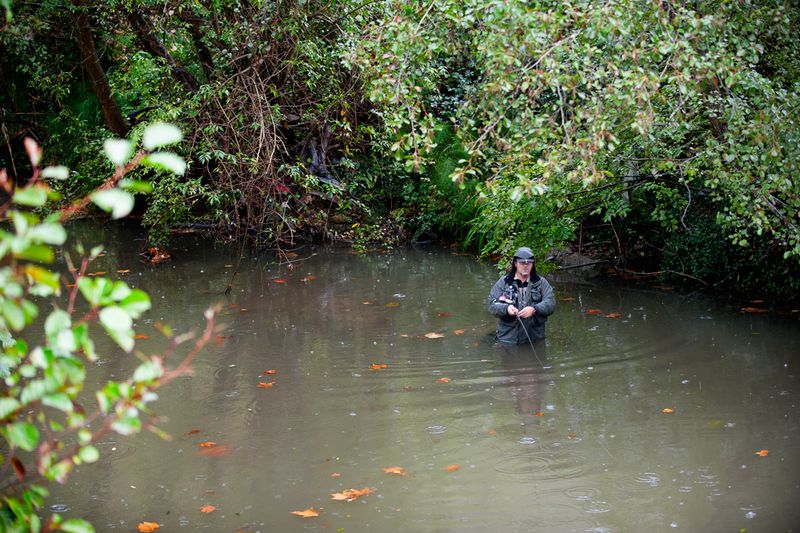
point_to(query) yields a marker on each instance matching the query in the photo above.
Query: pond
(643, 412)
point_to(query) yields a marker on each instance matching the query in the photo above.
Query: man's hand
(526, 312)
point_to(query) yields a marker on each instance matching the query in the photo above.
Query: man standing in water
(521, 300)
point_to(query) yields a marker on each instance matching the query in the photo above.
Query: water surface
(570, 438)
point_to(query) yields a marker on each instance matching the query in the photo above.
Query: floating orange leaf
(434, 335)
(141, 336)
(308, 513)
(452, 468)
(214, 451)
(458, 332)
(208, 444)
(336, 474)
(309, 278)
(393, 304)
(350, 495)
(443, 380)
(492, 432)
(397, 470)
(538, 413)
(96, 274)
(123, 271)
(208, 509)
(265, 384)
(593, 312)
(279, 280)
(193, 431)
(668, 410)
(444, 314)
(614, 315)
(762, 453)
(378, 366)
(147, 527)
(753, 310)
(270, 372)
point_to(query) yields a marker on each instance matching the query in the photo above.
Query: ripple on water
(641, 482)
(542, 464)
(113, 451)
(583, 494)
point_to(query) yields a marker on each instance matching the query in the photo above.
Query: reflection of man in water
(524, 376)
(521, 300)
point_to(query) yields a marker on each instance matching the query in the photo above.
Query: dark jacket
(537, 292)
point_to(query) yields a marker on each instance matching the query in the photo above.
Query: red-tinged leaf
(218, 339)
(378, 366)
(193, 431)
(140, 336)
(19, 469)
(270, 372)
(434, 335)
(350, 495)
(443, 380)
(458, 331)
(96, 274)
(762, 453)
(396, 470)
(309, 278)
(668, 410)
(216, 451)
(147, 527)
(754, 310)
(282, 280)
(452, 468)
(208, 444)
(444, 314)
(265, 384)
(492, 432)
(614, 315)
(283, 189)
(594, 312)
(538, 413)
(208, 509)
(308, 513)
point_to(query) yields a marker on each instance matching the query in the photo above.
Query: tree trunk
(194, 26)
(91, 64)
(152, 44)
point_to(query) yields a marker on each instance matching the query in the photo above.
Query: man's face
(524, 266)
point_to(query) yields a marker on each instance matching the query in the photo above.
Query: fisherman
(521, 300)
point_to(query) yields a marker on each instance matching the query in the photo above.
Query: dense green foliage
(492, 123)
(46, 429)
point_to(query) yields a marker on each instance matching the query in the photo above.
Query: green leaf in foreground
(115, 201)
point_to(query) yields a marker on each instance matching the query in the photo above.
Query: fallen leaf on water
(214, 451)
(452, 468)
(458, 331)
(393, 304)
(614, 315)
(308, 513)
(492, 432)
(270, 372)
(367, 302)
(397, 470)
(753, 310)
(336, 474)
(279, 280)
(309, 278)
(140, 336)
(208, 444)
(218, 339)
(378, 366)
(762, 453)
(192, 431)
(538, 413)
(593, 312)
(147, 527)
(265, 384)
(444, 314)
(208, 509)
(434, 335)
(96, 274)
(350, 495)
(123, 271)
(667, 410)
(572, 436)
(443, 380)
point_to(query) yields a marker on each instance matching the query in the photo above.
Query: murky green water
(572, 438)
